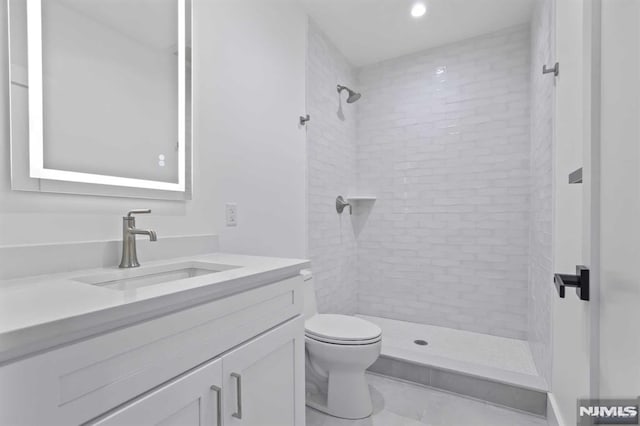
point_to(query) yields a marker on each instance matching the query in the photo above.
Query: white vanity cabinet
(233, 361)
(264, 380)
(253, 385)
(191, 400)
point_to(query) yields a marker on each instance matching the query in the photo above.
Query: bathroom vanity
(207, 340)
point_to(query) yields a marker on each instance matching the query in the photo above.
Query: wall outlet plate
(231, 212)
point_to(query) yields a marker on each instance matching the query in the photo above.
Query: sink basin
(131, 279)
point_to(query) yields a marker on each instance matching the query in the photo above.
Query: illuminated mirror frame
(44, 179)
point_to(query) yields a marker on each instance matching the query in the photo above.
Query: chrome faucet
(129, 232)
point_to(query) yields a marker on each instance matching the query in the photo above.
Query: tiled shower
(454, 143)
(443, 142)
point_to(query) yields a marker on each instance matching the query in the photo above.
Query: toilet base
(335, 376)
(348, 397)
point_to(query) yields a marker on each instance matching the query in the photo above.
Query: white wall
(447, 155)
(541, 291)
(255, 85)
(331, 142)
(248, 64)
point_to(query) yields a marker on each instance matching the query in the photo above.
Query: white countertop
(40, 312)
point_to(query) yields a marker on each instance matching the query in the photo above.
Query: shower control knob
(341, 204)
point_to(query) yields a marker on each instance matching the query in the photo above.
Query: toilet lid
(336, 327)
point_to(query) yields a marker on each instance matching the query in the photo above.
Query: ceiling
(369, 31)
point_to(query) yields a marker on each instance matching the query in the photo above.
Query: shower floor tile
(484, 355)
(397, 403)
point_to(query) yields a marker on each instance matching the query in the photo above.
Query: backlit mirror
(101, 97)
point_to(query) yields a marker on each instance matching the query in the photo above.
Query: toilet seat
(343, 342)
(342, 330)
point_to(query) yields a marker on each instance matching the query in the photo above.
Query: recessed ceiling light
(418, 10)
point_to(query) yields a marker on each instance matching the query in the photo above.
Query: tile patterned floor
(398, 403)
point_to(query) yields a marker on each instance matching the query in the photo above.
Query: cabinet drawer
(75, 383)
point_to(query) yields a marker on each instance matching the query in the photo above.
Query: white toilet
(339, 348)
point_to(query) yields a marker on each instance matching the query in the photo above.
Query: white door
(575, 323)
(192, 400)
(596, 343)
(264, 379)
(620, 201)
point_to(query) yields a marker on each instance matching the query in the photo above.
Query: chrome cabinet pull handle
(238, 413)
(218, 392)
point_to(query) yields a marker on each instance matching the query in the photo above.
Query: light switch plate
(231, 210)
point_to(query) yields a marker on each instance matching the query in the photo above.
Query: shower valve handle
(341, 204)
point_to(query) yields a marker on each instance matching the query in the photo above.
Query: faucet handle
(138, 211)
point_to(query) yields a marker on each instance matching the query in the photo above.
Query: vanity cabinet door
(264, 379)
(192, 400)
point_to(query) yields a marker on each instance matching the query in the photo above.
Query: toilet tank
(310, 305)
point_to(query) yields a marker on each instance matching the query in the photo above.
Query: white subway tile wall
(541, 244)
(331, 147)
(444, 143)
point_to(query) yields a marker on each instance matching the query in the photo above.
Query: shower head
(353, 96)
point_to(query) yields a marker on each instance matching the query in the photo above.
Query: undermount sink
(131, 279)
